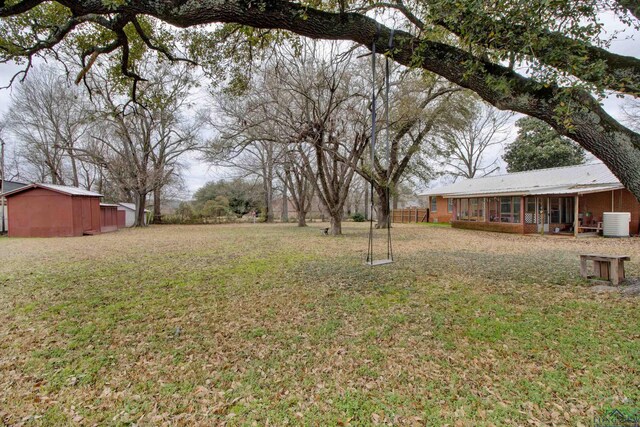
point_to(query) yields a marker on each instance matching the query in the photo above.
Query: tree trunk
(284, 216)
(269, 209)
(383, 208)
(336, 225)
(157, 212)
(100, 181)
(74, 169)
(367, 202)
(302, 219)
(267, 187)
(141, 201)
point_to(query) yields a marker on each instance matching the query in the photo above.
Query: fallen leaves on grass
(275, 325)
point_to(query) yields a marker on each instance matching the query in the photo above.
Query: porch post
(613, 209)
(454, 211)
(522, 213)
(576, 211)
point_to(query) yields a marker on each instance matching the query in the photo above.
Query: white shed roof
(130, 206)
(589, 178)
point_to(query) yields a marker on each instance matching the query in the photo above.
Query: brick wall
(622, 201)
(501, 227)
(441, 214)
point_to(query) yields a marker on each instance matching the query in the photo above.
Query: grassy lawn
(257, 325)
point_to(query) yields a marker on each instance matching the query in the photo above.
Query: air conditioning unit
(616, 224)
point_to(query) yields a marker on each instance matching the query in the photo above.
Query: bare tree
(48, 116)
(419, 105)
(299, 186)
(477, 129)
(139, 144)
(302, 97)
(336, 148)
(324, 105)
(249, 157)
(249, 138)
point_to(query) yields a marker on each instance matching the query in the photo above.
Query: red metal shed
(47, 210)
(108, 217)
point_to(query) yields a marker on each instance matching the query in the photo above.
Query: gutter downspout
(2, 228)
(576, 213)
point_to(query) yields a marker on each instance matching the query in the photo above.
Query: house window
(463, 212)
(434, 204)
(554, 210)
(450, 205)
(504, 209)
(471, 209)
(510, 209)
(567, 210)
(516, 209)
(494, 205)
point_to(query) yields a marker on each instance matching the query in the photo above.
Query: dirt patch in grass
(259, 324)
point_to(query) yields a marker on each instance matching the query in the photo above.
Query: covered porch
(574, 214)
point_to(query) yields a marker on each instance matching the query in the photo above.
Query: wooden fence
(408, 215)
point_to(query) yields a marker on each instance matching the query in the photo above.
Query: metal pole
(2, 228)
(576, 214)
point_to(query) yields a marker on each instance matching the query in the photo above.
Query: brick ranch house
(565, 200)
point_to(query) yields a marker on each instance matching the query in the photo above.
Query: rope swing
(370, 258)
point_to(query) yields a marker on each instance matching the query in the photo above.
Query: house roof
(12, 185)
(130, 206)
(109, 205)
(581, 179)
(63, 189)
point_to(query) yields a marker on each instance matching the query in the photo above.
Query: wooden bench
(584, 228)
(606, 267)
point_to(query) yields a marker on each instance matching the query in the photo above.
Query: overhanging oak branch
(572, 112)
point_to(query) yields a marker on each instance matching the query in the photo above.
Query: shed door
(86, 213)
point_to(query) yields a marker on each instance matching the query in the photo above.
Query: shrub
(185, 211)
(358, 217)
(179, 219)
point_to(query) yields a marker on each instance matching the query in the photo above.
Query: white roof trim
(130, 206)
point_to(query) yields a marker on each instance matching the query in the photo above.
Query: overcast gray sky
(198, 172)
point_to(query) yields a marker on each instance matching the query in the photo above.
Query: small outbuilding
(129, 212)
(108, 217)
(48, 210)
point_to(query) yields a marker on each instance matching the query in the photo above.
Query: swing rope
(370, 259)
(373, 141)
(388, 153)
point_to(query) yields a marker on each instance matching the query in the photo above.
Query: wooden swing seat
(379, 262)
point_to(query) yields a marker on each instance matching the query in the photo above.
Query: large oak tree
(477, 45)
